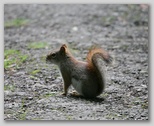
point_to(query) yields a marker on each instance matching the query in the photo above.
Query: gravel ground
(32, 88)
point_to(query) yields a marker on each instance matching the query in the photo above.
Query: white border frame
(70, 123)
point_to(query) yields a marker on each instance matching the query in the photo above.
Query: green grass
(47, 95)
(37, 45)
(108, 19)
(23, 115)
(68, 117)
(13, 58)
(15, 23)
(9, 88)
(43, 58)
(34, 72)
(111, 116)
(144, 105)
(104, 95)
(33, 77)
(10, 52)
(23, 112)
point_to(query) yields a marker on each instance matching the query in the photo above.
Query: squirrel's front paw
(63, 94)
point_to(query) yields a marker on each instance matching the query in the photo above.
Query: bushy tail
(92, 59)
(98, 53)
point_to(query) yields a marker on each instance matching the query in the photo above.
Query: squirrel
(86, 77)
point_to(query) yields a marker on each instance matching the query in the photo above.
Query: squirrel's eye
(53, 55)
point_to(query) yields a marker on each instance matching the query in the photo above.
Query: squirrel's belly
(77, 84)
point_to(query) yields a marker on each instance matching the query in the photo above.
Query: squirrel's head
(57, 56)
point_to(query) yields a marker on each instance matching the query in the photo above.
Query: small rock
(143, 72)
(29, 98)
(75, 28)
(80, 116)
(57, 80)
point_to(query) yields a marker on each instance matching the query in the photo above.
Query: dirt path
(32, 88)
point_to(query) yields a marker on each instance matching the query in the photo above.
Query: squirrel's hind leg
(75, 94)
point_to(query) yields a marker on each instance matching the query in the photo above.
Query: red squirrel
(85, 77)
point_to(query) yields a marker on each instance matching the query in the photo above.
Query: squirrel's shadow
(96, 99)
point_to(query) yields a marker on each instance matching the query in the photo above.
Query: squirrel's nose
(47, 58)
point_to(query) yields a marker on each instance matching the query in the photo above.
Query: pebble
(29, 98)
(75, 28)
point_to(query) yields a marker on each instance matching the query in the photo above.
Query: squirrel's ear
(63, 48)
(64, 45)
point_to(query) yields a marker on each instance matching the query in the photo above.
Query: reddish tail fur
(102, 53)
